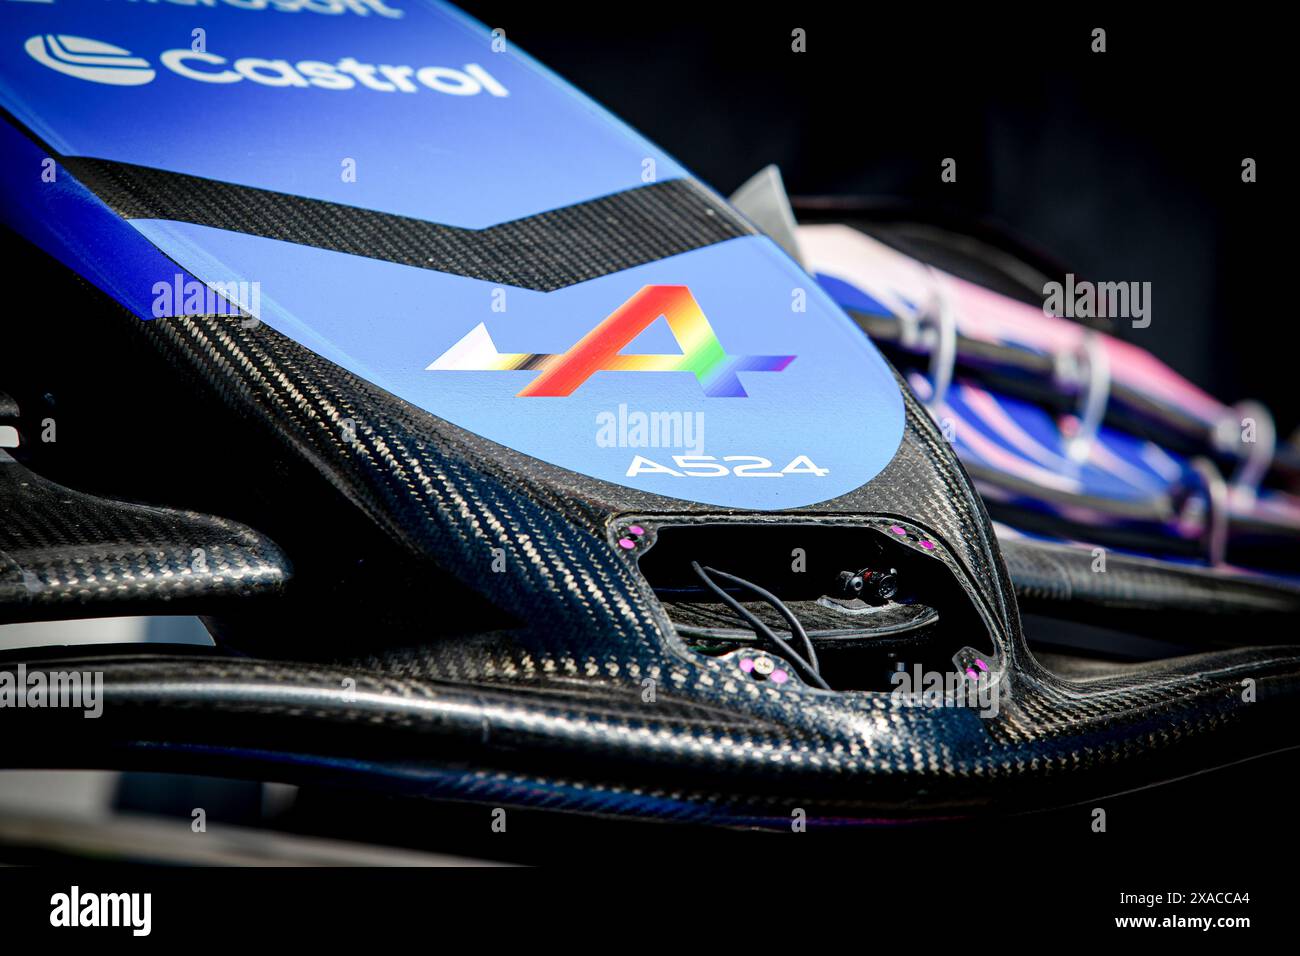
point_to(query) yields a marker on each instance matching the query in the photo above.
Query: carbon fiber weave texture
(63, 552)
(1050, 574)
(593, 622)
(555, 710)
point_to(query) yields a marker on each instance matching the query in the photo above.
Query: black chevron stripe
(544, 252)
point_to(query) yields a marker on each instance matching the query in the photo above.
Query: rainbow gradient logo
(600, 350)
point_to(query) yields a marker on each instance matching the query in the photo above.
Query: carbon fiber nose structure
(590, 700)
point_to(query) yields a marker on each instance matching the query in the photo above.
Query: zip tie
(1215, 525)
(1088, 370)
(1257, 459)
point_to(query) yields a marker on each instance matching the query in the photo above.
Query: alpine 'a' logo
(88, 59)
(599, 350)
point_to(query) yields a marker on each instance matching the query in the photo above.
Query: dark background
(1124, 165)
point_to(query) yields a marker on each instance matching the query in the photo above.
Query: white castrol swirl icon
(88, 59)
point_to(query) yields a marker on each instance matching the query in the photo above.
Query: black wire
(809, 672)
(795, 626)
